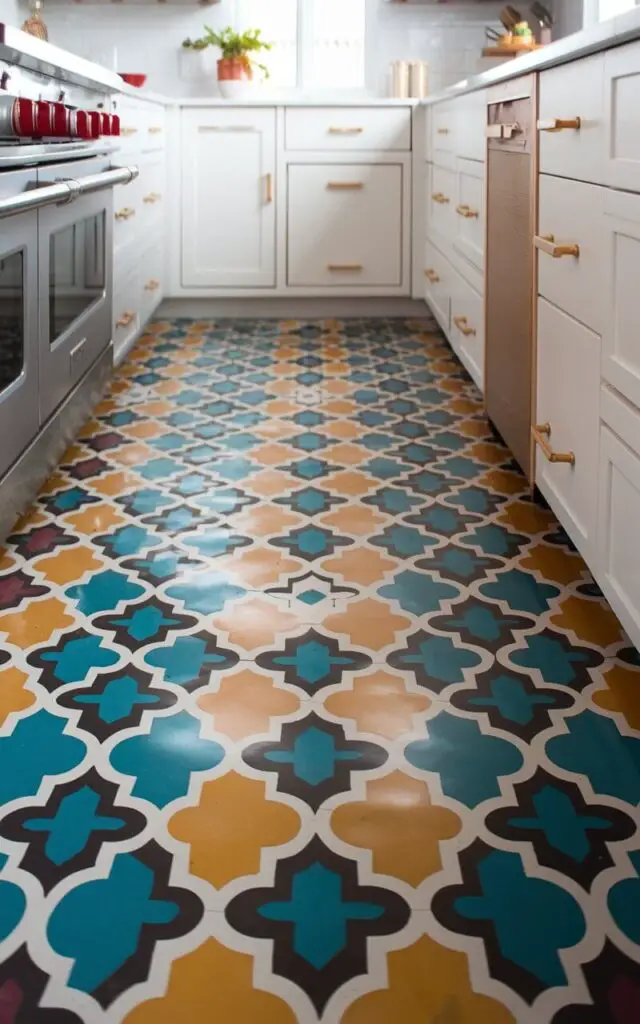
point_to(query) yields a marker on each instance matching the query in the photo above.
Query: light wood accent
(540, 434)
(558, 124)
(548, 244)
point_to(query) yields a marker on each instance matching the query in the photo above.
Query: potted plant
(236, 64)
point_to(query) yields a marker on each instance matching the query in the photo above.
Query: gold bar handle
(431, 276)
(151, 198)
(540, 434)
(461, 323)
(337, 130)
(125, 213)
(128, 131)
(152, 285)
(559, 124)
(548, 244)
(345, 186)
(439, 197)
(344, 266)
(155, 129)
(269, 186)
(503, 131)
(125, 320)
(442, 131)
(466, 211)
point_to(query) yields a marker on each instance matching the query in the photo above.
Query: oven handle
(65, 191)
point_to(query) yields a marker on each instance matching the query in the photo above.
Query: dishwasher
(510, 264)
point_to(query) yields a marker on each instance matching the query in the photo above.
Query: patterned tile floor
(308, 712)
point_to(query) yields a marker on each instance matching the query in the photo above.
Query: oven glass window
(77, 261)
(11, 318)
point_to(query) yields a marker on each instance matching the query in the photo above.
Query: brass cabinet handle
(540, 435)
(466, 211)
(461, 323)
(344, 266)
(153, 197)
(155, 129)
(125, 213)
(432, 276)
(548, 244)
(128, 131)
(442, 131)
(345, 186)
(152, 285)
(559, 124)
(226, 128)
(269, 186)
(125, 319)
(439, 197)
(503, 131)
(336, 130)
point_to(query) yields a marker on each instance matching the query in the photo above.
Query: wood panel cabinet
(228, 197)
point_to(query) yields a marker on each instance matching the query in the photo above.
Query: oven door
(18, 325)
(75, 292)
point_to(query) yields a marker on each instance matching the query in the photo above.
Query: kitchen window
(317, 44)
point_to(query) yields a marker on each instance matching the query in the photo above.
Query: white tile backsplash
(132, 36)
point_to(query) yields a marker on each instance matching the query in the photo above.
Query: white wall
(10, 13)
(147, 39)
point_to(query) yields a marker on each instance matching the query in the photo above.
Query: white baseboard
(292, 309)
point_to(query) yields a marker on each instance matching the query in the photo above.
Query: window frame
(305, 52)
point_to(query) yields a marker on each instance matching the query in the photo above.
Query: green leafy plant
(233, 45)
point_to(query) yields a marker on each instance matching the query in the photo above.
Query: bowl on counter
(131, 79)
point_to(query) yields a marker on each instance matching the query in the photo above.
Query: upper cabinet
(228, 193)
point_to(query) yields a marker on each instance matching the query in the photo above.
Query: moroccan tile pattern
(307, 711)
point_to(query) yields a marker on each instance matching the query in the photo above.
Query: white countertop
(19, 48)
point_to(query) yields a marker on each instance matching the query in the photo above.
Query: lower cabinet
(344, 225)
(467, 327)
(568, 422)
(139, 284)
(438, 275)
(618, 558)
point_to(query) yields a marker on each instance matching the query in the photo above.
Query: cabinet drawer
(126, 309)
(567, 94)
(469, 211)
(345, 225)
(568, 403)
(571, 214)
(127, 212)
(441, 192)
(443, 130)
(152, 189)
(151, 280)
(621, 336)
(622, 106)
(470, 138)
(438, 275)
(467, 327)
(348, 128)
(619, 510)
(142, 125)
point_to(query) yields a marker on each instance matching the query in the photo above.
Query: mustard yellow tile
(592, 621)
(68, 565)
(379, 703)
(13, 695)
(622, 694)
(368, 623)
(245, 702)
(36, 623)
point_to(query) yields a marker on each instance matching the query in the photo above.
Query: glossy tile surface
(307, 711)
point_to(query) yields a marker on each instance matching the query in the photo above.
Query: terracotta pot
(234, 69)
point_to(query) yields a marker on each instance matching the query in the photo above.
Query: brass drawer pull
(125, 320)
(462, 324)
(345, 131)
(345, 186)
(439, 197)
(540, 435)
(466, 211)
(125, 213)
(155, 129)
(442, 131)
(548, 244)
(559, 124)
(344, 266)
(269, 186)
(153, 197)
(128, 131)
(432, 276)
(152, 285)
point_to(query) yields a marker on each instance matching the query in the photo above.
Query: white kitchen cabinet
(345, 225)
(438, 276)
(621, 337)
(467, 327)
(345, 129)
(471, 117)
(571, 120)
(567, 422)
(441, 196)
(228, 193)
(469, 211)
(622, 117)
(618, 562)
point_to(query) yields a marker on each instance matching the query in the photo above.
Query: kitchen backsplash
(147, 38)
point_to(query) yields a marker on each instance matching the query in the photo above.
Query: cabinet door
(567, 422)
(619, 511)
(345, 225)
(228, 188)
(438, 279)
(467, 328)
(621, 337)
(571, 120)
(622, 117)
(469, 209)
(441, 191)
